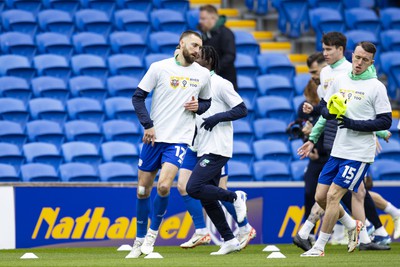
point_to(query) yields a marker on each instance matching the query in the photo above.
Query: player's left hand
(209, 123)
(345, 122)
(388, 137)
(192, 105)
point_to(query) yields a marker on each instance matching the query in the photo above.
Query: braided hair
(210, 55)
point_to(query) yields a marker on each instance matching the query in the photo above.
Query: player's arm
(382, 121)
(235, 113)
(138, 99)
(317, 130)
(204, 104)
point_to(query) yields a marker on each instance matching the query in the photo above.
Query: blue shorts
(152, 157)
(344, 173)
(191, 160)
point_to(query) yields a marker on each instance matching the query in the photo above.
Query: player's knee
(163, 189)
(321, 201)
(332, 198)
(142, 192)
(182, 188)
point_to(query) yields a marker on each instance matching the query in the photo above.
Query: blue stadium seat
(11, 154)
(164, 42)
(272, 84)
(78, 172)
(15, 87)
(13, 110)
(85, 131)
(359, 3)
(121, 152)
(151, 58)
(332, 4)
(45, 131)
(242, 131)
(120, 130)
(128, 43)
(121, 85)
(133, 21)
(90, 65)
(390, 18)
(239, 171)
(81, 152)
(120, 108)
(48, 109)
(51, 87)
(32, 6)
(362, 19)
(11, 132)
(251, 114)
(275, 107)
(54, 43)
(242, 152)
(298, 168)
(91, 20)
(390, 150)
(385, 169)
(123, 64)
(117, 172)
(293, 17)
(294, 145)
(19, 21)
(182, 6)
(91, 43)
(15, 65)
(87, 86)
(390, 40)
(83, 108)
(18, 43)
(276, 63)
(52, 65)
(246, 44)
(39, 172)
(192, 18)
(395, 130)
(272, 150)
(168, 20)
(271, 170)
(297, 101)
(56, 21)
(246, 66)
(107, 6)
(325, 20)
(70, 6)
(391, 66)
(300, 82)
(45, 153)
(142, 5)
(272, 129)
(8, 173)
(260, 9)
(247, 88)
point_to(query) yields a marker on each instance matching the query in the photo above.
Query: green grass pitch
(175, 256)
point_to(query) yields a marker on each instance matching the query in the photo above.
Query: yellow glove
(337, 105)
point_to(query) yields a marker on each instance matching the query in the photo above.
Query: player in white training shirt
(181, 89)
(214, 147)
(368, 110)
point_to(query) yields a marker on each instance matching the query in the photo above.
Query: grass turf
(175, 256)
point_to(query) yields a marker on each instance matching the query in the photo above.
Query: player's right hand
(305, 149)
(149, 136)
(307, 108)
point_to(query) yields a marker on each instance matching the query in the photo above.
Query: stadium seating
(276, 63)
(91, 43)
(78, 172)
(122, 64)
(117, 172)
(70, 6)
(54, 43)
(391, 67)
(18, 43)
(129, 43)
(168, 20)
(121, 130)
(294, 145)
(242, 152)
(91, 20)
(107, 6)
(245, 65)
(275, 107)
(390, 150)
(15, 87)
(78, 151)
(181, 6)
(37, 152)
(246, 44)
(48, 109)
(86, 86)
(192, 18)
(164, 42)
(50, 87)
(83, 108)
(56, 21)
(133, 21)
(385, 169)
(297, 101)
(120, 108)
(85, 131)
(11, 154)
(239, 171)
(271, 129)
(390, 18)
(293, 16)
(120, 85)
(45, 131)
(32, 6)
(39, 172)
(274, 85)
(52, 65)
(272, 150)
(300, 82)
(390, 40)
(247, 88)
(15, 65)
(121, 152)
(153, 57)
(362, 19)
(141, 5)
(11, 132)
(19, 21)
(13, 110)
(332, 4)
(91, 65)
(298, 169)
(359, 3)
(8, 173)
(270, 170)
(242, 131)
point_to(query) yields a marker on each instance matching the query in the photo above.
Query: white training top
(220, 140)
(328, 75)
(365, 99)
(173, 86)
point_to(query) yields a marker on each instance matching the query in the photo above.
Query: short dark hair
(335, 38)
(210, 9)
(368, 47)
(316, 57)
(209, 54)
(189, 32)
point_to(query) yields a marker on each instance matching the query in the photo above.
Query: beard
(187, 56)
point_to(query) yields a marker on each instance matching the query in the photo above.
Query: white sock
(202, 231)
(347, 221)
(364, 238)
(140, 239)
(392, 210)
(321, 241)
(151, 231)
(367, 223)
(305, 230)
(245, 229)
(381, 231)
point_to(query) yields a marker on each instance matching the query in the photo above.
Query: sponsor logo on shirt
(328, 83)
(350, 95)
(183, 82)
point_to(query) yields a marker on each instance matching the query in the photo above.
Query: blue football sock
(142, 217)
(231, 209)
(159, 208)
(195, 209)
